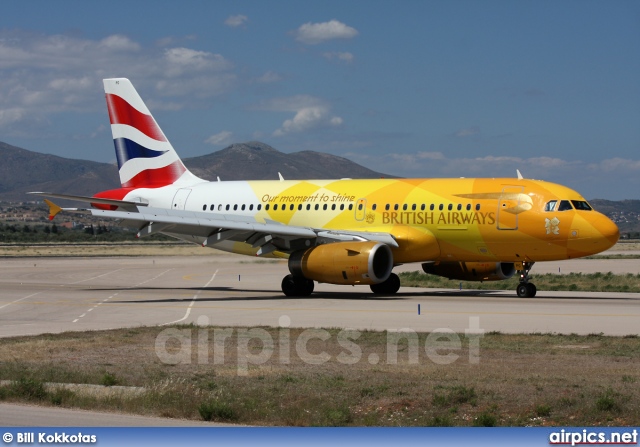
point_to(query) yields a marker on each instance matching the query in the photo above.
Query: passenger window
(342, 206)
(333, 207)
(422, 207)
(228, 207)
(291, 207)
(468, 207)
(395, 207)
(459, 206)
(266, 207)
(350, 206)
(324, 207)
(441, 207)
(413, 207)
(317, 207)
(386, 207)
(565, 205)
(243, 206)
(259, 206)
(450, 207)
(581, 205)
(275, 207)
(204, 207)
(373, 207)
(404, 207)
(308, 206)
(431, 207)
(251, 207)
(477, 207)
(300, 207)
(551, 206)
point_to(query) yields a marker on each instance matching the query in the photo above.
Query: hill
(259, 161)
(23, 170)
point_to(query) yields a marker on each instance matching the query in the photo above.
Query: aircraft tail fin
(146, 158)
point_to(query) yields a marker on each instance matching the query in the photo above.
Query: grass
(521, 380)
(590, 282)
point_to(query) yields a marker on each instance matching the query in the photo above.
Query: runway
(52, 295)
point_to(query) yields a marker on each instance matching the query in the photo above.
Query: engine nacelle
(471, 271)
(344, 263)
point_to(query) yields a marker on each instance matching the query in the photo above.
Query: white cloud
(344, 57)
(118, 42)
(44, 74)
(236, 21)
(184, 60)
(618, 164)
(310, 113)
(315, 33)
(468, 132)
(220, 139)
(269, 77)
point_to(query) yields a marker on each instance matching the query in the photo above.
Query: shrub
(215, 410)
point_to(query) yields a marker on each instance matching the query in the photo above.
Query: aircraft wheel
(294, 286)
(531, 290)
(522, 290)
(388, 287)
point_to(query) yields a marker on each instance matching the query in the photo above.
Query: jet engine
(366, 262)
(471, 271)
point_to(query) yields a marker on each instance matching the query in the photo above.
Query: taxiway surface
(51, 295)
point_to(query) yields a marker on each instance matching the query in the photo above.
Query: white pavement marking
(23, 298)
(193, 301)
(117, 293)
(95, 277)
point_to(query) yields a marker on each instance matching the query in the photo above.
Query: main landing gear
(296, 286)
(388, 287)
(299, 286)
(525, 289)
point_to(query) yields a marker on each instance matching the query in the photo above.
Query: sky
(408, 88)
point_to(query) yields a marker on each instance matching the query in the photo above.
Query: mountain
(22, 170)
(259, 161)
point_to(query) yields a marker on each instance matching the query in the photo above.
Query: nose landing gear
(525, 289)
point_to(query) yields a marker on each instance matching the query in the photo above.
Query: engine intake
(344, 263)
(471, 271)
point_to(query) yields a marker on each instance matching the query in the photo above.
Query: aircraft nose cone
(609, 231)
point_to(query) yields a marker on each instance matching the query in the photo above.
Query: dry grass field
(517, 380)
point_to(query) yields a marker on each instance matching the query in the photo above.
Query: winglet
(53, 209)
(281, 177)
(520, 177)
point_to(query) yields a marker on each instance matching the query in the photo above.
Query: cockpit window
(565, 205)
(581, 205)
(551, 206)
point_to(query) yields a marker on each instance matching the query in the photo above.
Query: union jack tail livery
(145, 156)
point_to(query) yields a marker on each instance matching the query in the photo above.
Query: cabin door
(180, 199)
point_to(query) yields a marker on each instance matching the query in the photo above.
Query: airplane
(343, 231)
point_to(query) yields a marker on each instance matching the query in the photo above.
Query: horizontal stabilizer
(101, 201)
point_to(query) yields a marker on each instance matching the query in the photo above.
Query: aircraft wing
(210, 228)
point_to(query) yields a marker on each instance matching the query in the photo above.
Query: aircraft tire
(294, 286)
(531, 290)
(522, 290)
(388, 287)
